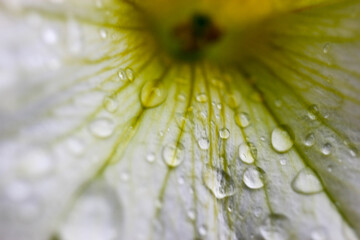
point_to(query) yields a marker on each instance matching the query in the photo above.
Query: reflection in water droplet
(313, 112)
(253, 178)
(122, 75)
(173, 154)
(242, 119)
(202, 230)
(102, 127)
(95, 216)
(204, 143)
(36, 163)
(281, 139)
(219, 182)
(110, 104)
(247, 152)
(130, 74)
(153, 93)
(319, 233)
(326, 48)
(150, 157)
(224, 133)
(305, 182)
(103, 33)
(309, 140)
(275, 227)
(201, 98)
(326, 149)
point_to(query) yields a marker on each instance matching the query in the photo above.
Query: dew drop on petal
(96, 215)
(102, 128)
(202, 98)
(122, 74)
(275, 227)
(218, 182)
(202, 231)
(50, 36)
(319, 233)
(305, 182)
(204, 143)
(309, 140)
(75, 146)
(281, 140)
(173, 154)
(326, 149)
(103, 33)
(313, 112)
(253, 178)
(224, 133)
(152, 94)
(110, 104)
(150, 157)
(129, 74)
(242, 119)
(247, 152)
(326, 48)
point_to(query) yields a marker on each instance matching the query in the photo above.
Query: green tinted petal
(99, 141)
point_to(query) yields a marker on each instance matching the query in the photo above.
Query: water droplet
(219, 182)
(326, 48)
(17, 191)
(281, 139)
(102, 127)
(122, 74)
(153, 93)
(202, 230)
(305, 182)
(319, 233)
(50, 36)
(224, 133)
(150, 157)
(36, 163)
(103, 33)
(257, 212)
(173, 154)
(110, 104)
(181, 97)
(247, 152)
(204, 143)
(96, 215)
(75, 146)
(191, 214)
(309, 140)
(202, 98)
(242, 119)
(313, 112)
(275, 227)
(125, 176)
(233, 100)
(129, 74)
(283, 162)
(326, 149)
(253, 178)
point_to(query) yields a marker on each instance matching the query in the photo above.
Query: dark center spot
(196, 34)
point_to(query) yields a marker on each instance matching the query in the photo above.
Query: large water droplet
(102, 127)
(281, 139)
(219, 182)
(110, 104)
(305, 182)
(173, 154)
(224, 133)
(242, 119)
(253, 177)
(247, 152)
(95, 216)
(275, 227)
(204, 143)
(153, 93)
